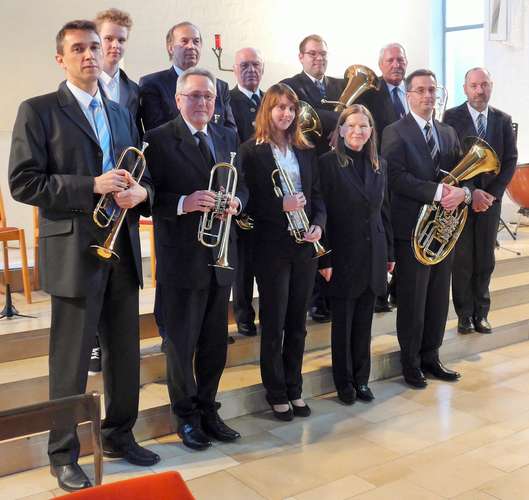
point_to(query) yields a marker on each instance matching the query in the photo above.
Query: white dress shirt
(475, 114)
(401, 93)
(110, 85)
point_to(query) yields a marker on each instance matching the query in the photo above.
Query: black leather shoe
(465, 324)
(132, 452)
(214, 427)
(247, 329)
(301, 411)
(70, 477)
(193, 436)
(482, 325)
(347, 397)
(437, 370)
(285, 416)
(364, 393)
(382, 305)
(320, 315)
(415, 378)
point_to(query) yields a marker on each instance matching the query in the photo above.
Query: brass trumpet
(214, 227)
(106, 211)
(297, 217)
(309, 121)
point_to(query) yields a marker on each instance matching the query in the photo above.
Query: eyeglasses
(255, 65)
(422, 91)
(314, 54)
(195, 97)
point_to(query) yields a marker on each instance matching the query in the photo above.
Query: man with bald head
(474, 252)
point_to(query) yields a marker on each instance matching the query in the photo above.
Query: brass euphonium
(107, 212)
(437, 229)
(360, 79)
(214, 227)
(295, 218)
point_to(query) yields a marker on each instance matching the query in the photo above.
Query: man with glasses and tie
(63, 152)
(474, 252)
(195, 306)
(417, 148)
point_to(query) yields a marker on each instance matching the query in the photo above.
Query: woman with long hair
(354, 187)
(285, 269)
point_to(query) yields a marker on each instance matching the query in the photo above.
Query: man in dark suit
(245, 100)
(387, 105)
(474, 252)
(311, 86)
(195, 294)
(417, 148)
(157, 90)
(62, 159)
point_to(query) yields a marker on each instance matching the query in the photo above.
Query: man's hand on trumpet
(293, 202)
(199, 201)
(112, 181)
(132, 196)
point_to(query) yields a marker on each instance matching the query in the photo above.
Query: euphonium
(437, 229)
(297, 216)
(360, 79)
(214, 227)
(106, 211)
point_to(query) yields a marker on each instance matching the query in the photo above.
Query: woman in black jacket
(284, 269)
(354, 187)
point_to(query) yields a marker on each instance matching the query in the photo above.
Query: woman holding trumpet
(281, 173)
(354, 188)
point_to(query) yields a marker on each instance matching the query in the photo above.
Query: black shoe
(382, 305)
(465, 324)
(301, 411)
(415, 378)
(347, 397)
(364, 393)
(231, 340)
(285, 416)
(193, 436)
(70, 477)
(482, 325)
(437, 370)
(247, 329)
(320, 315)
(132, 452)
(214, 427)
(94, 366)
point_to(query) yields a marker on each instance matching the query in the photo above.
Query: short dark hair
(170, 34)
(78, 24)
(314, 38)
(416, 73)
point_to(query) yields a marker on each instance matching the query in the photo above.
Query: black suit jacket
(244, 111)
(499, 135)
(413, 179)
(358, 227)
(270, 222)
(54, 158)
(158, 106)
(178, 168)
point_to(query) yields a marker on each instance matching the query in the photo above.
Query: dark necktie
(432, 145)
(256, 100)
(481, 126)
(321, 87)
(397, 103)
(204, 148)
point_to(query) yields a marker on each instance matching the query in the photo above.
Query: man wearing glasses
(195, 305)
(417, 148)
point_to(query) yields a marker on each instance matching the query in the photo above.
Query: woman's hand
(390, 266)
(326, 272)
(293, 202)
(313, 234)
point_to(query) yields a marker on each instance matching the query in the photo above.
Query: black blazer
(257, 163)
(358, 227)
(244, 111)
(178, 168)
(54, 159)
(158, 106)
(499, 135)
(412, 178)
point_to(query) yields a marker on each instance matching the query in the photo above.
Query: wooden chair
(146, 225)
(53, 414)
(8, 234)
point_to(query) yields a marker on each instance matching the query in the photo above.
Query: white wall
(354, 30)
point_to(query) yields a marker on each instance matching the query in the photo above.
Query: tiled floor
(468, 441)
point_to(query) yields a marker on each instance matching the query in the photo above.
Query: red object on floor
(163, 486)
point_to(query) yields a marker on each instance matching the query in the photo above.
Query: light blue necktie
(481, 126)
(103, 134)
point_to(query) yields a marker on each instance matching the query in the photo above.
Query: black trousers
(285, 285)
(474, 263)
(423, 293)
(197, 329)
(244, 276)
(351, 339)
(112, 310)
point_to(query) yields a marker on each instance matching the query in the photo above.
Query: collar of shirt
(108, 80)
(83, 98)
(248, 93)
(421, 121)
(177, 70)
(194, 130)
(474, 113)
(314, 80)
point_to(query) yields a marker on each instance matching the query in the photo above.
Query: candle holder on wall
(217, 50)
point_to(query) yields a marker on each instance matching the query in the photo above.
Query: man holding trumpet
(62, 160)
(181, 155)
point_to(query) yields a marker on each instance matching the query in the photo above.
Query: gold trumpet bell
(104, 253)
(309, 121)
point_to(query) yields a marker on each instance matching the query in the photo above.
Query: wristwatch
(468, 195)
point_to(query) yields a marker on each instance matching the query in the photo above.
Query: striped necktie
(256, 99)
(103, 135)
(321, 87)
(481, 126)
(397, 103)
(432, 145)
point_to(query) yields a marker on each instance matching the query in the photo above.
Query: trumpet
(214, 227)
(295, 218)
(106, 211)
